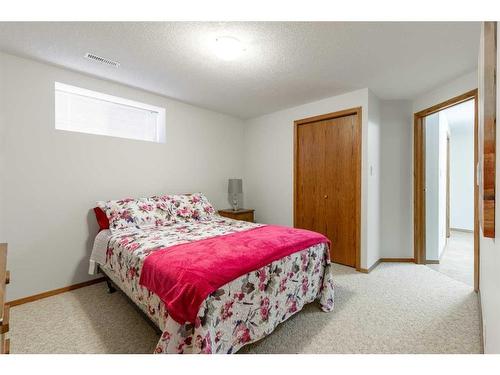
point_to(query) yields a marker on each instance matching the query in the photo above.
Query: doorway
(446, 235)
(327, 181)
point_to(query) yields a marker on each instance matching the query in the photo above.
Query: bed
(192, 249)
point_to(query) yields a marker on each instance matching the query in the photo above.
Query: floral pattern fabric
(189, 206)
(131, 214)
(242, 311)
(156, 211)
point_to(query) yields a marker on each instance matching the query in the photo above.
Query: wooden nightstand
(241, 214)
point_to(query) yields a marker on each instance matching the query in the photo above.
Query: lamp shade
(235, 186)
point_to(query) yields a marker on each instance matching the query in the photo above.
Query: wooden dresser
(242, 214)
(4, 309)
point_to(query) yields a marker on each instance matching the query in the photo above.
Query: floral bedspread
(242, 311)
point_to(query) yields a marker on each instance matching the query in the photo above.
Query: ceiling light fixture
(228, 48)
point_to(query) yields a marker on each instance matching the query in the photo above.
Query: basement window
(91, 112)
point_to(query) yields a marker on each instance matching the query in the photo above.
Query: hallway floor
(457, 260)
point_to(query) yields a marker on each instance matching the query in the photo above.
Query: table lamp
(235, 187)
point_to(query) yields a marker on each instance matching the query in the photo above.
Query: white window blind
(87, 111)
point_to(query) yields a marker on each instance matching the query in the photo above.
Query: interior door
(311, 162)
(328, 182)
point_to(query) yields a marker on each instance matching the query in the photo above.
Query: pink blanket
(184, 275)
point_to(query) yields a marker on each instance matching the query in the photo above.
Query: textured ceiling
(285, 63)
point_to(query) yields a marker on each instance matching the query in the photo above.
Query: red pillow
(102, 219)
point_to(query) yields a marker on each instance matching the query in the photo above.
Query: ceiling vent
(102, 60)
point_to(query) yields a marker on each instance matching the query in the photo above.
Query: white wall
(444, 132)
(432, 185)
(396, 179)
(462, 177)
(373, 217)
(52, 179)
(269, 163)
(490, 258)
(436, 131)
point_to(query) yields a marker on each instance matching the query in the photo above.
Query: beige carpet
(457, 260)
(398, 308)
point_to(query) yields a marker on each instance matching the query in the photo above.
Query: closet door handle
(325, 197)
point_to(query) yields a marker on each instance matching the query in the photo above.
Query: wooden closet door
(328, 183)
(311, 162)
(342, 180)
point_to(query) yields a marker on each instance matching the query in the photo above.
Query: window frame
(75, 90)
